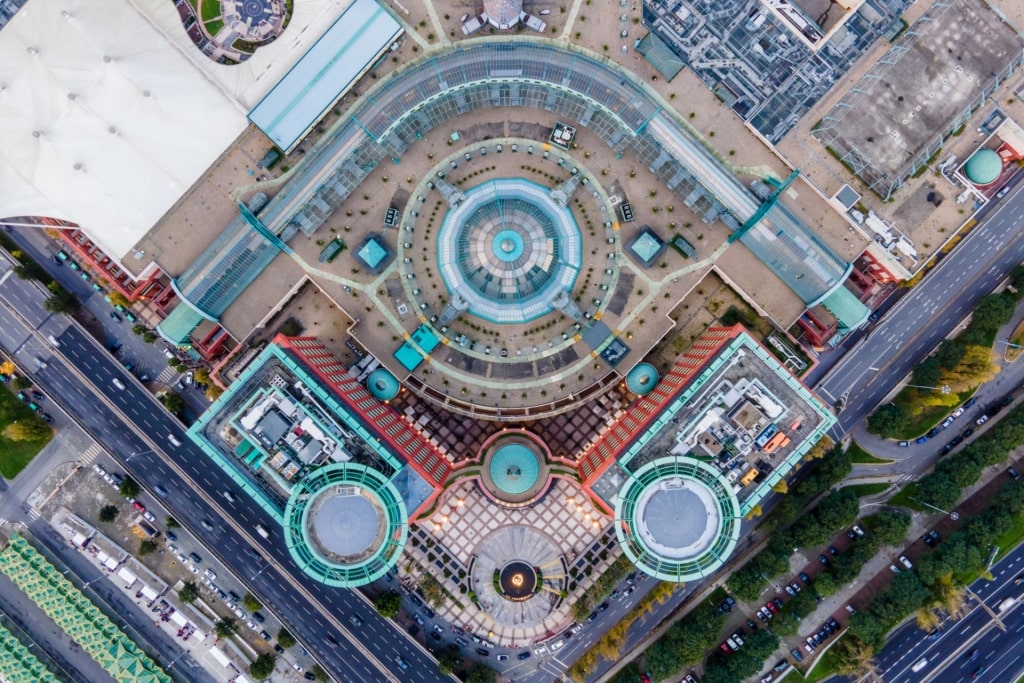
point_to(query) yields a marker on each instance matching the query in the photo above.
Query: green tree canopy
(189, 592)
(108, 513)
(61, 301)
(129, 488)
(250, 603)
(225, 627)
(263, 666)
(388, 603)
(285, 638)
(889, 420)
(890, 526)
(448, 660)
(29, 429)
(173, 401)
(482, 674)
(147, 547)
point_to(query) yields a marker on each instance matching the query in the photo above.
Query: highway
(927, 314)
(948, 656)
(80, 375)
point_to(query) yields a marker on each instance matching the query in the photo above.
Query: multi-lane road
(949, 656)
(927, 314)
(132, 425)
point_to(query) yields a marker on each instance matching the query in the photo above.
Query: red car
(772, 608)
(139, 506)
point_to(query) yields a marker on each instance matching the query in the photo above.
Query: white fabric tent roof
(109, 113)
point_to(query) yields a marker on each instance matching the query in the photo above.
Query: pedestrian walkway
(90, 454)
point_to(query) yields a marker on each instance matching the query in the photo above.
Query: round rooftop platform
(642, 379)
(509, 249)
(984, 167)
(514, 468)
(503, 13)
(345, 524)
(680, 519)
(382, 384)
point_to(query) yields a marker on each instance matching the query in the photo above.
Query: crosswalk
(166, 375)
(90, 453)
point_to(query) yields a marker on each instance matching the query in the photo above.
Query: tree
(786, 624)
(927, 373)
(171, 522)
(853, 657)
(129, 488)
(119, 299)
(176, 364)
(432, 590)
(30, 429)
(319, 674)
(448, 660)
(189, 592)
(939, 490)
(225, 627)
(263, 666)
(285, 638)
(147, 547)
(927, 619)
(889, 420)
(213, 392)
(174, 402)
(149, 336)
(61, 301)
(108, 513)
(139, 329)
(202, 376)
(781, 487)
(482, 674)
(250, 603)
(825, 584)
(388, 603)
(21, 382)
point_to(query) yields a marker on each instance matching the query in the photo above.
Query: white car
(148, 516)
(99, 469)
(958, 412)
(905, 562)
(192, 568)
(557, 645)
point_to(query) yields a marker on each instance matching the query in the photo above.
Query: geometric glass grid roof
(76, 615)
(18, 664)
(677, 519)
(508, 249)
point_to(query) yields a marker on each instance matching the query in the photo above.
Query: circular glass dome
(642, 379)
(348, 523)
(509, 250)
(984, 167)
(382, 384)
(514, 468)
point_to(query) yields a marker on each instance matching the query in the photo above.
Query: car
(946, 449)
(278, 649)
(355, 620)
(850, 609)
(1007, 400)
(751, 624)
(419, 620)
(894, 569)
(967, 432)
(99, 469)
(195, 558)
(829, 628)
(1017, 581)
(921, 439)
(402, 664)
(148, 516)
(831, 621)
(929, 541)
(777, 602)
(795, 586)
(789, 589)
(904, 444)
(138, 506)
(833, 551)
(207, 525)
(603, 606)
(462, 641)
(958, 412)
(977, 672)
(781, 666)
(171, 536)
(49, 418)
(805, 578)
(436, 628)
(972, 655)
(38, 395)
(502, 658)
(948, 421)
(725, 648)
(858, 530)
(796, 655)
(934, 535)
(308, 675)
(332, 642)
(772, 608)
(823, 560)
(905, 562)
(458, 631)
(258, 617)
(297, 667)
(688, 679)
(483, 652)
(760, 614)
(160, 491)
(115, 317)
(524, 655)
(933, 432)
(435, 636)
(557, 645)
(1012, 471)
(851, 535)
(981, 420)
(629, 591)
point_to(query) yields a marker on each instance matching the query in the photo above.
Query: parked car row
(824, 632)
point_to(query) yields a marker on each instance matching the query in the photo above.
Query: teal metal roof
(382, 384)
(514, 468)
(642, 379)
(325, 73)
(177, 327)
(983, 167)
(372, 253)
(847, 308)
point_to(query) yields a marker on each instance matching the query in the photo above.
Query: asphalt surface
(949, 655)
(927, 314)
(300, 602)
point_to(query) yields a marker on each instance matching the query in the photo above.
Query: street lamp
(952, 515)
(944, 388)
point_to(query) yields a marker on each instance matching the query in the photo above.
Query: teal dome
(382, 384)
(514, 468)
(983, 167)
(642, 379)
